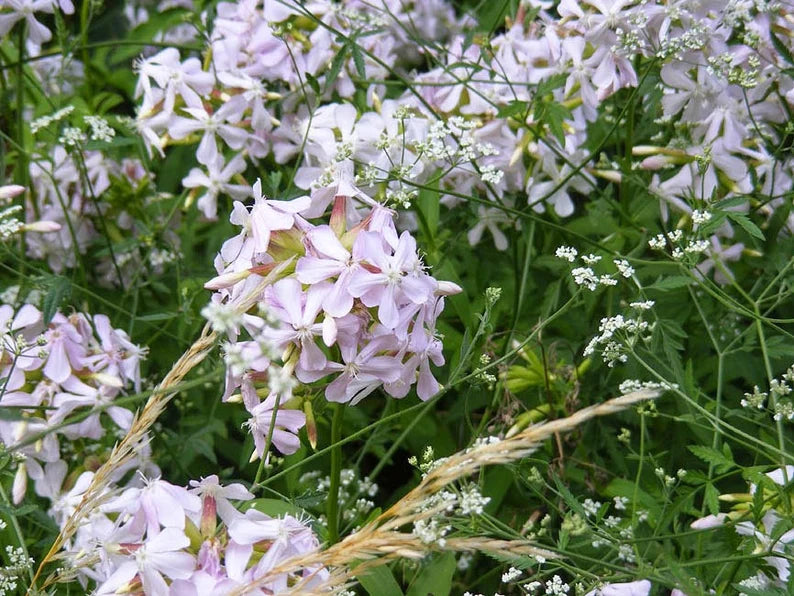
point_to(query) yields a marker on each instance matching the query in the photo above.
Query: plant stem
(336, 472)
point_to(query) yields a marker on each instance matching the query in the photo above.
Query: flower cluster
(160, 538)
(356, 305)
(355, 493)
(53, 371)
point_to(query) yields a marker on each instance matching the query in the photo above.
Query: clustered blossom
(586, 276)
(352, 309)
(452, 125)
(51, 372)
(159, 538)
(470, 117)
(779, 394)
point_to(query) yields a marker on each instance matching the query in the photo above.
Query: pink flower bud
(11, 191)
(226, 280)
(209, 518)
(20, 484)
(44, 226)
(448, 288)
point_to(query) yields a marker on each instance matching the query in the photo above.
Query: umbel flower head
(346, 310)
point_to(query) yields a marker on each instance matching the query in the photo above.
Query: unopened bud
(20, 484)
(10, 191)
(311, 424)
(44, 226)
(226, 280)
(448, 288)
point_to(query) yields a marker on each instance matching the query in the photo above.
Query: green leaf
(358, 60)
(60, 289)
(553, 115)
(435, 578)
(568, 497)
(711, 497)
(781, 48)
(722, 461)
(550, 84)
(158, 316)
(746, 224)
(514, 108)
(671, 283)
(336, 66)
(379, 581)
(427, 203)
(312, 80)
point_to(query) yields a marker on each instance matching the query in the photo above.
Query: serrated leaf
(379, 581)
(746, 224)
(358, 60)
(550, 84)
(59, 289)
(569, 499)
(517, 561)
(711, 498)
(671, 283)
(312, 80)
(781, 48)
(336, 66)
(713, 457)
(514, 108)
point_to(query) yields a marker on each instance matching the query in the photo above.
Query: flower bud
(44, 226)
(10, 191)
(311, 424)
(226, 280)
(20, 484)
(209, 517)
(448, 288)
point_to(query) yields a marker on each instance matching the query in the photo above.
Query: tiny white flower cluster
(675, 238)
(585, 276)
(511, 574)
(472, 501)
(591, 507)
(659, 242)
(100, 129)
(779, 392)
(45, 121)
(567, 252)
(355, 493)
(72, 137)
(429, 531)
(223, 318)
(632, 385)
(18, 564)
(615, 333)
(700, 217)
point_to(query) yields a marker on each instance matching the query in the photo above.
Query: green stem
(22, 162)
(17, 529)
(772, 397)
(268, 442)
(336, 472)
